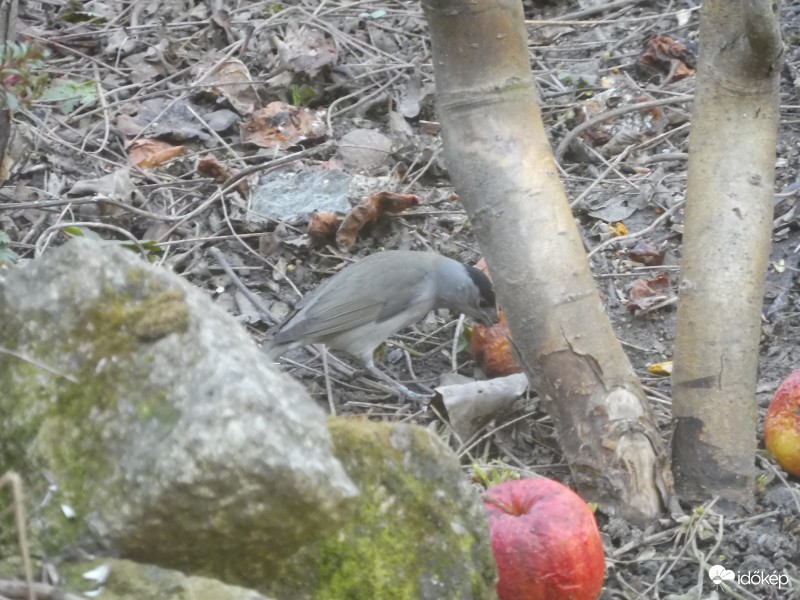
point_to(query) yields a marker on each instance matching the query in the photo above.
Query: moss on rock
(418, 531)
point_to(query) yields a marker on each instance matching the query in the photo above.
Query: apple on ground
(545, 542)
(782, 425)
(491, 348)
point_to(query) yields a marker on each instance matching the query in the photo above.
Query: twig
(37, 363)
(640, 233)
(15, 589)
(120, 230)
(257, 302)
(13, 481)
(623, 110)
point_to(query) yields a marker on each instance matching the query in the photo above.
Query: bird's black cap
(483, 284)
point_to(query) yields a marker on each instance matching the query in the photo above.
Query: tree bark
(502, 165)
(725, 251)
(8, 23)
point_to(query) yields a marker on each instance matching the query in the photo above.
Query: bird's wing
(335, 309)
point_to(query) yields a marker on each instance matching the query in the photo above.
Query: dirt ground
(99, 163)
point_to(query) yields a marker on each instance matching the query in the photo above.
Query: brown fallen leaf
(647, 254)
(322, 228)
(147, 153)
(372, 209)
(231, 79)
(209, 166)
(669, 57)
(280, 125)
(646, 293)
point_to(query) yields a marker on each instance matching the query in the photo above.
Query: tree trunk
(8, 23)
(725, 251)
(502, 166)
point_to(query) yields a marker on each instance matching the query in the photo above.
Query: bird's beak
(488, 317)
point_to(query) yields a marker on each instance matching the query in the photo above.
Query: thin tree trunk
(503, 168)
(8, 22)
(725, 251)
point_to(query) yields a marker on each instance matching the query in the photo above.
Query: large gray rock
(158, 420)
(127, 580)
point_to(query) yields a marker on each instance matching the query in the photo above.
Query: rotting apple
(491, 348)
(782, 425)
(545, 542)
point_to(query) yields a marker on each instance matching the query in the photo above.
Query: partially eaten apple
(491, 348)
(782, 425)
(545, 542)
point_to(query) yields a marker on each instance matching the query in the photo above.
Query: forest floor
(145, 116)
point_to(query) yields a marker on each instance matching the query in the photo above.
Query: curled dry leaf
(148, 153)
(491, 348)
(372, 209)
(647, 254)
(618, 229)
(209, 166)
(646, 293)
(662, 369)
(469, 406)
(231, 80)
(669, 57)
(280, 125)
(322, 228)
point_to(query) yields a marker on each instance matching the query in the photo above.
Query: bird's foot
(403, 392)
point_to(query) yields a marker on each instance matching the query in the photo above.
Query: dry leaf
(280, 125)
(646, 293)
(663, 369)
(147, 153)
(231, 80)
(209, 166)
(669, 57)
(371, 210)
(322, 228)
(647, 254)
(618, 229)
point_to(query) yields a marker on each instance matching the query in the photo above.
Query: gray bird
(362, 305)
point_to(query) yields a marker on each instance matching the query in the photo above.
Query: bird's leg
(404, 391)
(331, 404)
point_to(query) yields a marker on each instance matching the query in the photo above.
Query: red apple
(782, 425)
(545, 542)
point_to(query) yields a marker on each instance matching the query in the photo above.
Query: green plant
(7, 255)
(303, 95)
(497, 472)
(19, 81)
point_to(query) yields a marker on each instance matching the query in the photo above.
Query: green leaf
(7, 255)
(82, 232)
(9, 101)
(70, 94)
(83, 17)
(303, 95)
